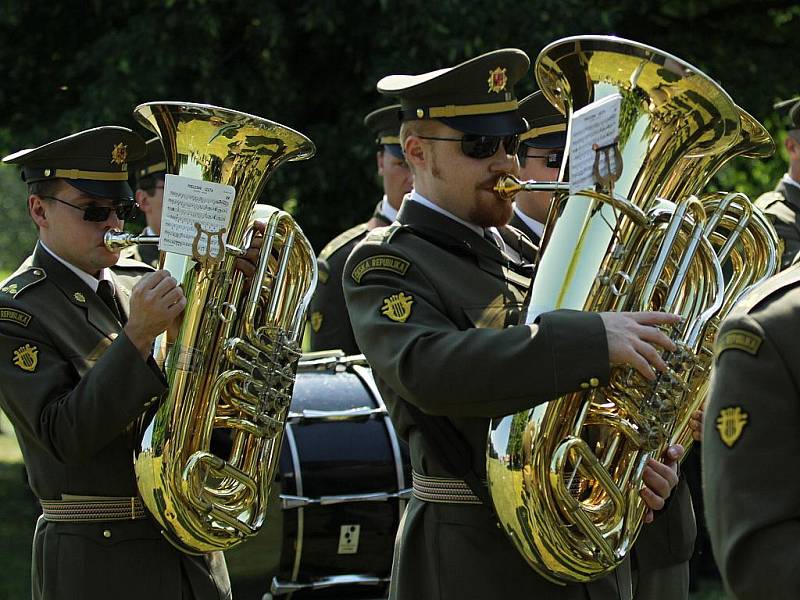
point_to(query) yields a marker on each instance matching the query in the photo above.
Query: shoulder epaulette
(767, 199)
(130, 263)
(342, 239)
(383, 235)
(22, 280)
(785, 279)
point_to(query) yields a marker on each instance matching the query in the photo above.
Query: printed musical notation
(594, 126)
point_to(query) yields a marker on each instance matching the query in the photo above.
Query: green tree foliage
(313, 65)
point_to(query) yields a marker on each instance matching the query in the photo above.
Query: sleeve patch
(730, 424)
(380, 262)
(15, 316)
(397, 307)
(26, 357)
(739, 339)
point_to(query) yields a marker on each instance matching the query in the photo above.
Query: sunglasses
(481, 146)
(553, 159)
(98, 214)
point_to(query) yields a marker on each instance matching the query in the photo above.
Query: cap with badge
(94, 161)
(792, 109)
(474, 97)
(385, 126)
(154, 163)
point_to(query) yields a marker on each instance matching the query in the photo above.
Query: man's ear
(414, 151)
(143, 200)
(379, 159)
(38, 211)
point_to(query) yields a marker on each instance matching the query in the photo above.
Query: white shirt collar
(148, 231)
(788, 180)
(387, 210)
(534, 225)
(89, 280)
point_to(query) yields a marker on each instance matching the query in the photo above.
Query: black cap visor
(547, 141)
(395, 150)
(117, 190)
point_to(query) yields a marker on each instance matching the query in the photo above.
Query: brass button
(584, 386)
(594, 382)
(37, 272)
(420, 113)
(106, 533)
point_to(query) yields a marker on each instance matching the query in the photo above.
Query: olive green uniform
(432, 304)
(146, 253)
(74, 387)
(750, 442)
(782, 206)
(328, 318)
(518, 223)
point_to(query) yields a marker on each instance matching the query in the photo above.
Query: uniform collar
(534, 225)
(787, 179)
(89, 280)
(387, 211)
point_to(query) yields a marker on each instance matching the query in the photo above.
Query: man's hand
(156, 303)
(696, 423)
(632, 337)
(248, 263)
(659, 480)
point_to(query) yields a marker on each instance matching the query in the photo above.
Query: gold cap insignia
(119, 154)
(26, 357)
(10, 289)
(316, 320)
(79, 297)
(397, 307)
(497, 80)
(730, 424)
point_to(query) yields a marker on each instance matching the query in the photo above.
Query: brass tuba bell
(565, 476)
(233, 363)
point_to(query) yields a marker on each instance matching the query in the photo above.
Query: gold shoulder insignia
(26, 357)
(730, 424)
(342, 240)
(21, 280)
(397, 307)
(380, 262)
(316, 320)
(381, 235)
(738, 339)
(15, 316)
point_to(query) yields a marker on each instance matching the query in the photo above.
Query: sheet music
(596, 124)
(189, 201)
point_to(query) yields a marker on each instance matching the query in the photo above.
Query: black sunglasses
(481, 146)
(98, 214)
(554, 159)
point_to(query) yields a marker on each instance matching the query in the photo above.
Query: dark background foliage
(313, 65)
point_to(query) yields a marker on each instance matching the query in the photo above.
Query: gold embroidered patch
(119, 154)
(497, 80)
(15, 316)
(26, 357)
(730, 424)
(381, 262)
(738, 339)
(316, 320)
(79, 297)
(397, 307)
(10, 289)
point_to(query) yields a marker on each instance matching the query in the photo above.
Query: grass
(251, 565)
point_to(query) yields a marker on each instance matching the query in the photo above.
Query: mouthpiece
(116, 240)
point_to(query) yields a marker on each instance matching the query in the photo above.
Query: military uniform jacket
(751, 443)
(330, 323)
(74, 387)
(146, 253)
(782, 206)
(432, 304)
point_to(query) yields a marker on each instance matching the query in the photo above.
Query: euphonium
(233, 362)
(565, 476)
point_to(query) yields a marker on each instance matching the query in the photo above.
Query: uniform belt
(442, 490)
(96, 509)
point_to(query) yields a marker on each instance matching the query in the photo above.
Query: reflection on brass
(231, 367)
(565, 476)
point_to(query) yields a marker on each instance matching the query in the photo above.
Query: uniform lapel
(445, 232)
(123, 295)
(791, 193)
(77, 293)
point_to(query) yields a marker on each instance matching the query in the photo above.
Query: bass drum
(344, 478)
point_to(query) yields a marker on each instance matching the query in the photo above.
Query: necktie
(105, 289)
(490, 237)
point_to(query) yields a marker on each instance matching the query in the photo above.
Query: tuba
(232, 365)
(565, 476)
